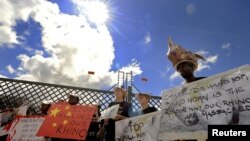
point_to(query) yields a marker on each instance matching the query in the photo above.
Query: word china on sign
(140, 128)
(220, 99)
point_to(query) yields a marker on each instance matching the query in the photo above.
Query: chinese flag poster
(67, 121)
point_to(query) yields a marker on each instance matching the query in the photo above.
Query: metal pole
(129, 97)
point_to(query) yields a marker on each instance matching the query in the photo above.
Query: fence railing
(14, 92)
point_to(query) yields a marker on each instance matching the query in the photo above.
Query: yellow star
(65, 122)
(54, 112)
(68, 114)
(54, 124)
(67, 107)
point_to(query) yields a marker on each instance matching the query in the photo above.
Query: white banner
(5, 118)
(110, 112)
(140, 128)
(25, 129)
(219, 99)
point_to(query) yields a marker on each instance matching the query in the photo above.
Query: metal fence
(14, 92)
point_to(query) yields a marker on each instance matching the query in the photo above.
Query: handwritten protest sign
(7, 116)
(140, 128)
(110, 112)
(67, 121)
(25, 129)
(219, 99)
(5, 121)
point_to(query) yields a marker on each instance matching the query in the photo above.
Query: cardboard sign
(25, 129)
(67, 121)
(110, 112)
(140, 128)
(219, 99)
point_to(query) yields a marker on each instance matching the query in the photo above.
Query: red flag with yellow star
(67, 121)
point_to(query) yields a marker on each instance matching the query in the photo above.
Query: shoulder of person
(199, 78)
(112, 103)
(153, 109)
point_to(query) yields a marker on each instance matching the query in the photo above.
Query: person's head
(45, 107)
(120, 93)
(179, 56)
(143, 98)
(73, 99)
(186, 69)
(61, 100)
(97, 114)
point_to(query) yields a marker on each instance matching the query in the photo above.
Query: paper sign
(219, 99)
(110, 112)
(5, 121)
(140, 128)
(67, 121)
(25, 129)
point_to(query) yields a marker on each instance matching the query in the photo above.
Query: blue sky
(59, 41)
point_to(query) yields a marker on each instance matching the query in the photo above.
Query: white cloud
(147, 39)
(9, 13)
(207, 64)
(10, 69)
(175, 75)
(212, 59)
(2, 76)
(226, 45)
(74, 47)
(134, 66)
(190, 9)
(163, 73)
(7, 36)
(202, 52)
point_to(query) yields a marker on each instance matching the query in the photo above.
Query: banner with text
(67, 121)
(6, 118)
(219, 99)
(140, 128)
(25, 129)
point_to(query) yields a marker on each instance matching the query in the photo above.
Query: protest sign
(219, 99)
(67, 121)
(25, 129)
(140, 128)
(4, 130)
(110, 112)
(6, 118)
